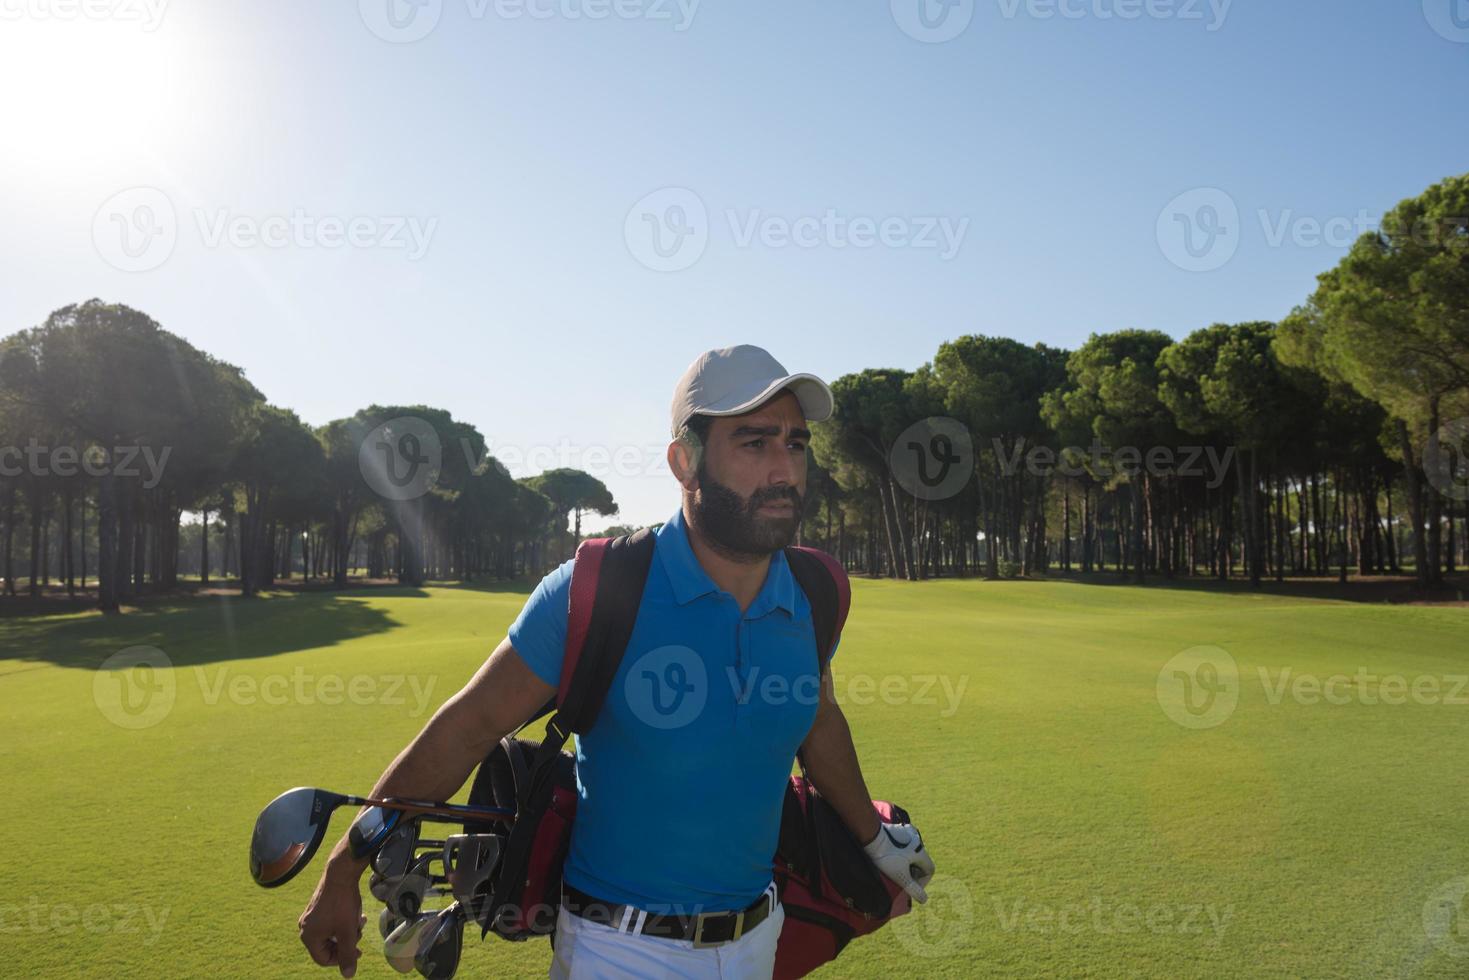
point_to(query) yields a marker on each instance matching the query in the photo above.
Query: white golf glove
(898, 852)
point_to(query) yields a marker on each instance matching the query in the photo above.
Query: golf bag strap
(828, 590)
(607, 577)
(607, 582)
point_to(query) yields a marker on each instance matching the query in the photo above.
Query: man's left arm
(831, 764)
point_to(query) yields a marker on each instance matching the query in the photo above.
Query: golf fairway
(1078, 829)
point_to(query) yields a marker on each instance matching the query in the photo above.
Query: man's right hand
(332, 924)
(503, 693)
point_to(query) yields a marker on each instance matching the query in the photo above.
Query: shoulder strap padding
(607, 581)
(828, 590)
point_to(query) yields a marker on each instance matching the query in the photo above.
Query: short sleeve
(539, 632)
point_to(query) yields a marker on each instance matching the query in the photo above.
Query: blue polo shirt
(682, 777)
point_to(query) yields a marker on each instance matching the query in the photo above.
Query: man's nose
(783, 470)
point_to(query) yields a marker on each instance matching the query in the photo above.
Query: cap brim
(813, 394)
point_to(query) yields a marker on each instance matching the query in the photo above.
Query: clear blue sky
(521, 144)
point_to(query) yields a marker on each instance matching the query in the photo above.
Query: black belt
(707, 929)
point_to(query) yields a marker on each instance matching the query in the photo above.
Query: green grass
(1293, 839)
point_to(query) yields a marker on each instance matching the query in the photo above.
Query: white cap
(735, 380)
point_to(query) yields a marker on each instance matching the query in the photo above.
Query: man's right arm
(503, 693)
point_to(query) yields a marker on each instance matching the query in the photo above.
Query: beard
(736, 527)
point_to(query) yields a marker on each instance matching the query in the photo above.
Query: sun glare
(82, 94)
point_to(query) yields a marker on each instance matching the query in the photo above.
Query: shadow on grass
(197, 630)
(195, 626)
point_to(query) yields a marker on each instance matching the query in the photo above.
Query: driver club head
(440, 944)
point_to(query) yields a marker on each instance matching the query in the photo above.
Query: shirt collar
(689, 580)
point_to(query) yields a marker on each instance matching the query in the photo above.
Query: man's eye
(755, 442)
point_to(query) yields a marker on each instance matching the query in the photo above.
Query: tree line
(1336, 437)
(1333, 438)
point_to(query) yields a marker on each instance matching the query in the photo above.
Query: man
(682, 777)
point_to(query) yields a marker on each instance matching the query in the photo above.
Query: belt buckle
(702, 918)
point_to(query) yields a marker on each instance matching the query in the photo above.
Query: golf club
(404, 894)
(469, 861)
(293, 825)
(440, 943)
(401, 945)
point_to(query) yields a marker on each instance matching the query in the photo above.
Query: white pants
(587, 950)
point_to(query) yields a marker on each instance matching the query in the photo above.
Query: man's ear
(682, 461)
